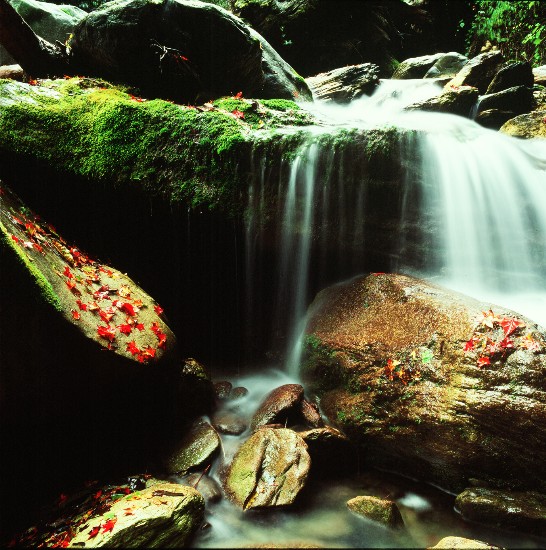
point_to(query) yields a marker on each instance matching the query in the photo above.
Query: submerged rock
(523, 511)
(346, 83)
(479, 71)
(269, 469)
(377, 509)
(196, 448)
(387, 353)
(456, 543)
(528, 126)
(229, 423)
(278, 405)
(211, 491)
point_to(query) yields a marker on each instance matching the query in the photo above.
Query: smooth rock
(222, 389)
(531, 125)
(522, 511)
(268, 470)
(211, 491)
(510, 76)
(519, 100)
(13, 72)
(460, 543)
(539, 75)
(196, 448)
(311, 414)
(457, 101)
(164, 516)
(447, 66)
(478, 72)
(229, 423)
(346, 83)
(416, 67)
(238, 393)
(377, 509)
(278, 405)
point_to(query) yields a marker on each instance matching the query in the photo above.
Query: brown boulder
(383, 511)
(479, 71)
(531, 125)
(278, 405)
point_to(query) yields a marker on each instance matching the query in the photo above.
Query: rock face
(164, 516)
(518, 99)
(183, 50)
(479, 71)
(457, 101)
(346, 83)
(14, 72)
(268, 470)
(451, 543)
(447, 66)
(277, 405)
(50, 21)
(416, 67)
(507, 510)
(387, 353)
(532, 125)
(510, 76)
(196, 448)
(383, 511)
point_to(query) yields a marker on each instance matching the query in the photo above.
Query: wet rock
(449, 543)
(519, 100)
(269, 469)
(329, 448)
(377, 509)
(522, 511)
(13, 72)
(457, 101)
(211, 491)
(539, 75)
(447, 66)
(229, 423)
(238, 393)
(387, 355)
(510, 76)
(195, 449)
(493, 118)
(479, 71)
(416, 67)
(278, 405)
(311, 414)
(164, 515)
(526, 126)
(346, 83)
(222, 389)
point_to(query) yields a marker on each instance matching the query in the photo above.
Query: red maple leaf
(67, 272)
(38, 247)
(139, 326)
(507, 344)
(98, 494)
(108, 272)
(105, 316)
(469, 345)
(137, 303)
(162, 337)
(510, 325)
(94, 532)
(155, 328)
(125, 329)
(149, 352)
(106, 332)
(128, 308)
(237, 113)
(76, 314)
(16, 239)
(81, 305)
(238, 95)
(132, 347)
(482, 361)
(158, 309)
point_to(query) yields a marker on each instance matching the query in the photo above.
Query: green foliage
(517, 28)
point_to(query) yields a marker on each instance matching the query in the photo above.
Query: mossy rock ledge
(430, 382)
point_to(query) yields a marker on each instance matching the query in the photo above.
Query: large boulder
(416, 67)
(447, 66)
(478, 72)
(527, 126)
(457, 101)
(518, 100)
(511, 75)
(278, 405)
(53, 22)
(434, 384)
(346, 83)
(184, 50)
(269, 469)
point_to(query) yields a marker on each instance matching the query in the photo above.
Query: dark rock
(238, 393)
(222, 389)
(52, 22)
(493, 118)
(201, 401)
(479, 71)
(278, 405)
(457, 101)
(182, 50)
(519, 100)
(345, 84)
(460, 543)
(416, 67)
(311, 414)
(13, 72)
(229, 423)
(398, 382)
(269, 469)
(510, 76)
(211, 491)
(522, 511)
(447, 66)
(385, 512)
(197, 447)
(532, 125)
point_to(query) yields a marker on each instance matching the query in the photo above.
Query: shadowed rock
(278, 405)
(510, 76)
(479, 71)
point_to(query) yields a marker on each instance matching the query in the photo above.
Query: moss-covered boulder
(431, 383)
(382, 511)
(527, 126)
(183, 50)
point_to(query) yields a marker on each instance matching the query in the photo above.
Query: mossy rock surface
(382, 511)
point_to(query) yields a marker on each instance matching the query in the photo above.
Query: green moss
(45, 289)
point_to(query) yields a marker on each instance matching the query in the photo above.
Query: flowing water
(477, 199)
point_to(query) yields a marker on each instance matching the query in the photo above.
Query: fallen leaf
(469, 345)
(128, 308)
(106, 332)
(81, 305)
(139, 326)
(237, 113)
(67, 272)
(125, 329)
(158, 309)
(76, 314)
(510, 325)
(132, 347)
(482, 361)
(94, 532)
(108, 525)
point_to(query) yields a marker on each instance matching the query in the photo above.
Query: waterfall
(460, 205)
